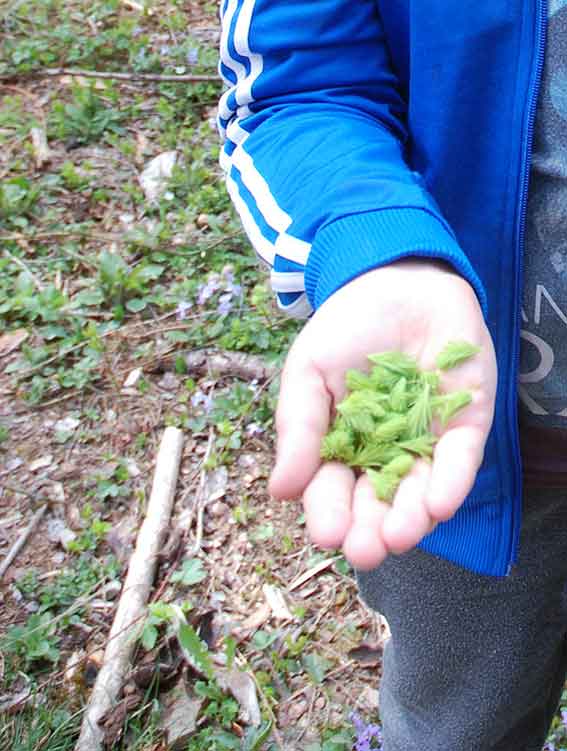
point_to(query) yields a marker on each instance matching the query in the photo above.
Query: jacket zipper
(540, 39)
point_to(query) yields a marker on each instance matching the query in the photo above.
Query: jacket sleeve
(314, 135)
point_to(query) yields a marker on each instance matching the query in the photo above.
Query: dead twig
(314, 571)
(86, 234)
(200, 497)
(136, 591)
(22, 539)
(226, 363)
(24, 267)
(157, 77)
(18, 490)
(60, 355)
(15, 703)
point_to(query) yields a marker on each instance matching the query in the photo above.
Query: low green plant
(86, 118)
(112, 482)
(36, 640)
(90, 537)
(119, 284)
(18, 196)
(192, 572)
(72, 178)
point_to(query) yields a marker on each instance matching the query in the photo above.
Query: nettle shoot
(385, 422)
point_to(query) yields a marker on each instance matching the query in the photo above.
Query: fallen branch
(160, 77)
(131, 606)
(200, 500)
(15, 703)
(22, 539)
(224, 363)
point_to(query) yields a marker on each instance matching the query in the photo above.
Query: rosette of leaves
(385, 422)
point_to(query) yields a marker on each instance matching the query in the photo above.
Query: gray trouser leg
(475, 663)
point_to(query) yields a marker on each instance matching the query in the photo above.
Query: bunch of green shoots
(385, 422)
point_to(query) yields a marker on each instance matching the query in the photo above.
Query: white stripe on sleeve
(301, 308)
(261, 244)
(287, 281)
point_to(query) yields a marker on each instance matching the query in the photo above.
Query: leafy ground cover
(107, 292)
(109, 286)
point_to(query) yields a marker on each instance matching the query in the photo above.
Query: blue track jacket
(357, 132)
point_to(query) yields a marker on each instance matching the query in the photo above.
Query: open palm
(416, 307)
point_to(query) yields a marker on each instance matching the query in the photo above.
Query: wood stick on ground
(22, 539)
(314, 571)
(223, 362)
(160, 77)
(200, 499)
(131, 606)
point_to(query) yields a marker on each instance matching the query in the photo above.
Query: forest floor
(114, 302)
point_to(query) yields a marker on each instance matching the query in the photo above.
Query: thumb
(302, 419)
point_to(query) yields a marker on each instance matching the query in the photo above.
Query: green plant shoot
(384, 424)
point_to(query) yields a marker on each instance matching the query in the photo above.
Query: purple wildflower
(564, 718)
(193, 56)
(224, 283)
(200, 398)
(229, 283)
(254, 429)
(225, 304)
(234, 289)
(368, 735)
(206, 291)
(181, 310)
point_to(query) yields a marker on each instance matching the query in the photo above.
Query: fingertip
(364, 546)
(408, 521)
(364, 549)
(327, 503)
(458, 456)
(297, 461)
(281, 488)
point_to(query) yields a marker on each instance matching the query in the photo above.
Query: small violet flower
(368, 735)
(193, 56)
(207, 290)
(225, 304)
(200, 398)
(181, 310)
(254, 429)
(224, 283)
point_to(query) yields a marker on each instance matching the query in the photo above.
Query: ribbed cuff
(358, 243)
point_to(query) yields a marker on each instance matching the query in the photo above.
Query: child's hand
(413, 306)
